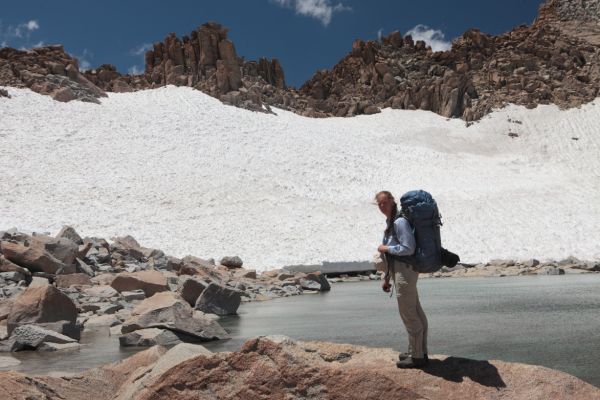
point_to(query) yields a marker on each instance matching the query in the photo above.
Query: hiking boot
(404, 356)
(412, 363)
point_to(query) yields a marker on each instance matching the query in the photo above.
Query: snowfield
(182, 172)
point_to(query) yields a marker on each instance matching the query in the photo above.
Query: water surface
(548, 320)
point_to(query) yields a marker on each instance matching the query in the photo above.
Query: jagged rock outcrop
(207, 60)
(108, 79)
(47, 70)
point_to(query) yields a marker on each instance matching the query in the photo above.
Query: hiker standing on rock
(398, 245)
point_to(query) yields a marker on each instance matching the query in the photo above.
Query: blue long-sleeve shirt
(402, 243)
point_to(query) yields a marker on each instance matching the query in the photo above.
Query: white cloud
(20, 34)
(23, 29)
(135, 70)
(141, 49)
(433, 37)
(379, 34)
(32, 25)
(321, 10)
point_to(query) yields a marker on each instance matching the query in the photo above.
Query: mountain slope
(179, 170)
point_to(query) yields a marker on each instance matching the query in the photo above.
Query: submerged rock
(168, 310)
(149, 337)
(30, 337)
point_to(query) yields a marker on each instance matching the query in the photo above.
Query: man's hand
(382, 248)
(386, 286)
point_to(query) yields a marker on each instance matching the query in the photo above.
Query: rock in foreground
(279, 368)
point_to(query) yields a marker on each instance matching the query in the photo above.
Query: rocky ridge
(47, 70)
(556, 60)
(530, 65)
(276, 367)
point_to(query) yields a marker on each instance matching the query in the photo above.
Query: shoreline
(348, 272)
(277, 366)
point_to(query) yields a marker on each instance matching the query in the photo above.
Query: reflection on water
(97, 348)
(551, 321)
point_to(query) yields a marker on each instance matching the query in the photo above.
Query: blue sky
(305, 35)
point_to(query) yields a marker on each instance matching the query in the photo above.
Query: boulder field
(53, 287)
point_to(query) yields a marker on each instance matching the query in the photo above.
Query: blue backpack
(421, 211)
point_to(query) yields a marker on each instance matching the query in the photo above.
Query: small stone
(70, 233)
(149, 337)
(309, 284)
(65, 281)
(49, 346)
(232, 262)
(81, 266)
(13, 276)
(102, 320)
(532, 263)
(283, 276)
(250, 274)
(38, 281)
(101, 291)
(551, 271)
(109, 309)
(133, 295)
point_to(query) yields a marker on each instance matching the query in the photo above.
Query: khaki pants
(405, 284)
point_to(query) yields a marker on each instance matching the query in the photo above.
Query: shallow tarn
(550, 321)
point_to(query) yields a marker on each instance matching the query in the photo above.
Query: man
(398, 245)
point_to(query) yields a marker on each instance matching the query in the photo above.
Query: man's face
(385, 204)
